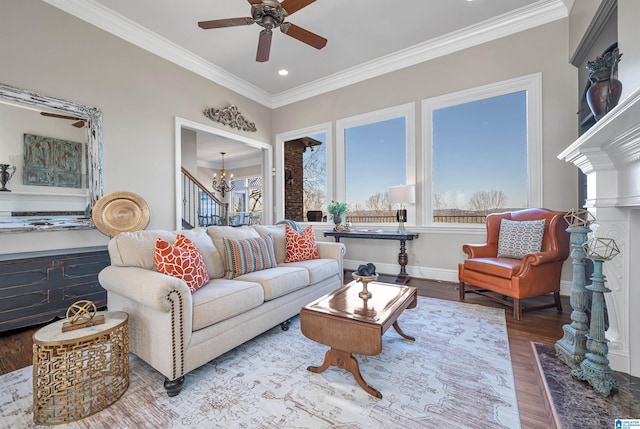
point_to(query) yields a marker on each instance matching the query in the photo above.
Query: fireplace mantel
(609, 154)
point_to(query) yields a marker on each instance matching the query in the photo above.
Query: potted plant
(604, 92)
(337, 210)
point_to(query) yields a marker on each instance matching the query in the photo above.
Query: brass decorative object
(78, 373)
(579, 217)
(81, 314)
(365, 280)
(120, 212)
(366, 274)
(231, 117)
(224, 186)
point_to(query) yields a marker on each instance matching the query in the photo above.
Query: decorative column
(595, 367)
(572, 347)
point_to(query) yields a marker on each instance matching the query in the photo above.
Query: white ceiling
(366, 38)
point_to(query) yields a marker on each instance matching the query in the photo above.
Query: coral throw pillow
(301, 247)
(181, 260)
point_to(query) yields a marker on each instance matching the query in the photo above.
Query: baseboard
(440, 274)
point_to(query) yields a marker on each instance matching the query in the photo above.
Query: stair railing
(200, 207)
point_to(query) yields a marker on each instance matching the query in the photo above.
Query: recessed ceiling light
(283, 72)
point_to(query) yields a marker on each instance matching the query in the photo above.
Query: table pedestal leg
(345, 360)
(402, 334)
(403, 260)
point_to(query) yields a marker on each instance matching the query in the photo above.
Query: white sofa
(176, 331)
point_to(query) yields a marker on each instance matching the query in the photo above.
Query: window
(306, 176)
(314, 176)
(483, 152)
(305, 164)
(377, 151)
(246, 201)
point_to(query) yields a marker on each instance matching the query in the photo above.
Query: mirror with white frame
(51, 157)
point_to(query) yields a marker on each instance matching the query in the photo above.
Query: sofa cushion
(181, 260)
(278, 281)
(135, 249)
(217, 234)
(279, 240)
(301, 247)
(319, 269)
(221, 299)
(248, 255)
(517, 238)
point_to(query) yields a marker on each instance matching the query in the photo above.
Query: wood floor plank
(543, 326)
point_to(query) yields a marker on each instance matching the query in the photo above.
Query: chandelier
(223, 187)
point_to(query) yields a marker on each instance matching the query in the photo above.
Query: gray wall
(543, 49)
(46, 50)
(140, 94)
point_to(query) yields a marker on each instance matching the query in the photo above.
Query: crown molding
(539, 13)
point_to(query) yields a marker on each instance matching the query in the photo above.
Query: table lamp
(403, 195)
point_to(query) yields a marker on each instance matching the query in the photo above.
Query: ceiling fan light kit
(270, 14)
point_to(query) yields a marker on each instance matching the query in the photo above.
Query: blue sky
(375, 156)
(477, 146)
(480, 146)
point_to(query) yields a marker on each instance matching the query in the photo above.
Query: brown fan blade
(255, 1)
(55, 115)
(292, 6)
(221, 23)
(305, 36)
(78, 124)
(264, 46)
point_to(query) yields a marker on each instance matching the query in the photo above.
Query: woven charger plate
(120, 212)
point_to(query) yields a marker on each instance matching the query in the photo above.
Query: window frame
(532, 85)
(404, 110)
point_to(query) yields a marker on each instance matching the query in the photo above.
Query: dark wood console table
(35, 289)
(403, 258)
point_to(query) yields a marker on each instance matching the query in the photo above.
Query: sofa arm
(480, 250)
(331, 250)
(149, 288)
(534, 259)
(160, 309)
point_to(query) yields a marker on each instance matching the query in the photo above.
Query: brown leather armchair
(534, 275)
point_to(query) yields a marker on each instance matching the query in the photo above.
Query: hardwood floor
(542, 326)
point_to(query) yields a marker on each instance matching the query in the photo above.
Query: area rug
(457, 374)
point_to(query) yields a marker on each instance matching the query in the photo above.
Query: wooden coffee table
(351, 325)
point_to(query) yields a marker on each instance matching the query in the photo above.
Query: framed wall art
(52, 162)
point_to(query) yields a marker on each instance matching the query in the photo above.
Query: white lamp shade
(403, 194)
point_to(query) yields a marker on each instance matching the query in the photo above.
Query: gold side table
(80, 372)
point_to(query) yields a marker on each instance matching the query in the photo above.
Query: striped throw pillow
(248, 255)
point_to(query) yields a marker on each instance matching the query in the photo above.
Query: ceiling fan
(79, 124)
(270, 14)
